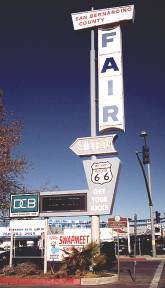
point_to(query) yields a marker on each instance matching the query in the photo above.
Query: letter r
(110, 111)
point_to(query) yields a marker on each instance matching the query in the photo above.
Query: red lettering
(69, 240)
(72, 239)
(60, 242)
(81, 239)
(76, 239)
(64, 239)
(84, 238)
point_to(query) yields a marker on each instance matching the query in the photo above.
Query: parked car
(2, 250)
(4, 257)
(108, 249)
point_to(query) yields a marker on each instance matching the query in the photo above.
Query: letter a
(109, 64)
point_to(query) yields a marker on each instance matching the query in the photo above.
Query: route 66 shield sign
(101, 172)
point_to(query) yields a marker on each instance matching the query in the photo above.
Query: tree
(10, 167)
(89, 259)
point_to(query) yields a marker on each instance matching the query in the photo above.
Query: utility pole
(146, 161)
(135, 234)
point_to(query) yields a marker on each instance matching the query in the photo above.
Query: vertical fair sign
(110, 74)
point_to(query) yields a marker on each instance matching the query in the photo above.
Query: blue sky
(45, 76)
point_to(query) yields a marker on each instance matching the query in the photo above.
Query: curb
(63, 281)
(38, 281)
(142, 259)
(99, 280)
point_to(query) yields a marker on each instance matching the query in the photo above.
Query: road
(145, 274)
(141, 274)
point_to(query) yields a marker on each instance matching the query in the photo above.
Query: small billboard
(24, 205)
(93, 18)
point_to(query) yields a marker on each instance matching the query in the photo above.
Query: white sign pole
(128, 235)
(11, 249)
(117, 219)
(95, 219)
(45, 246)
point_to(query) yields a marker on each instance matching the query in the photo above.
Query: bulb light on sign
(110, 73)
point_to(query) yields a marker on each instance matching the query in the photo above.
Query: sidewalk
(158, 257)
(142, 258)
(141, 272)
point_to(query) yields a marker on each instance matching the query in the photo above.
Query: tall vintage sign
(110, 79)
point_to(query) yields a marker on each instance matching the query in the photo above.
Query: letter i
(110, 87)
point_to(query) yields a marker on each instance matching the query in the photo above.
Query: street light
(146, 161)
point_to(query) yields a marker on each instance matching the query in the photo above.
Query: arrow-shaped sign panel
(94, 145)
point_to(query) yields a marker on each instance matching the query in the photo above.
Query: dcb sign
(24, 205)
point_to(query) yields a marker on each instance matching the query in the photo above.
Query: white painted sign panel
(87, 19)
(58, 243)
(27, 227)
(110, 80)
(77, 238)
(94, 145)
(102, 177)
